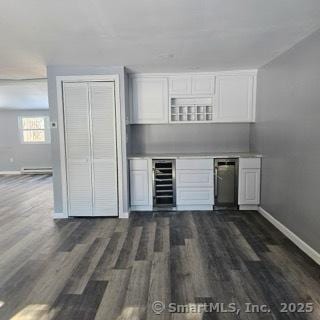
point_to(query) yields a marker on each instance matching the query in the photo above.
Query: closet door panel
(76, 112)
(105, 195)
(104, 152)
(77, 137)
(80, 191)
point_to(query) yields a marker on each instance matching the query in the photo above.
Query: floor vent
(30, 170)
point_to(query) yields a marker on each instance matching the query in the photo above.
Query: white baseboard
(10, 172)
(313, 254)
(36, 170)
(141, 208)
(196, 207)
(248, 207)
(60, 215)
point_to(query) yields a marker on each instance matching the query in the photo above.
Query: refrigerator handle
(153, 183)
(215, 182)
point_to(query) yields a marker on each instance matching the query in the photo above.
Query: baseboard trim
(248, 207)
(60, 215)
(141, 208)
(36, 170)
(10, 172)
(196, 207)
(313, 254)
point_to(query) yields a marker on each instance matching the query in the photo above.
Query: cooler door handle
(215, 182)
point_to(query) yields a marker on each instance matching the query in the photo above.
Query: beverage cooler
(226, 183)
(164, 184)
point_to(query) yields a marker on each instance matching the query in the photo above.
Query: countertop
(195, 155)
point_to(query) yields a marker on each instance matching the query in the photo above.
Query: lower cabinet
(249, 183)
(140, 185)
(194, 181)
(193, 196)
(194, 178)
(194, 184)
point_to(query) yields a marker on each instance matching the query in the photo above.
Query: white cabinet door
(78, 157)
(249, 181)
(202, 85)
(235, 98)
(249, 186)
(104, 152)
(139, 188)
(194, 164)
(149, 100)
(138, 164)
(194, 181)
(194, 178)
(180, 85)
(195, 196)
(194, 85)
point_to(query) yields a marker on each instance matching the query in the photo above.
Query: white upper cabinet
(195, 97)
(202, 85)
(180, 85)
(149, 100)
(236, 98)
(194, 85)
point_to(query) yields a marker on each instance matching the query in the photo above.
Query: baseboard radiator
(36, 170)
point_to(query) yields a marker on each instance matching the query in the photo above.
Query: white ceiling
(149, 35)
(24, 94)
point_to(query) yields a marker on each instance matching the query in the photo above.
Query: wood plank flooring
(108, 269)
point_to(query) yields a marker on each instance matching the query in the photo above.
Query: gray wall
(23, 155)
(52, 73)
(287, 133)
(190, 138)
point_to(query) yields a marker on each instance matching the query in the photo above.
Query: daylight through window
(34, 129)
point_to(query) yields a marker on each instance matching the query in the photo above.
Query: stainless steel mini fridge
(226, 183)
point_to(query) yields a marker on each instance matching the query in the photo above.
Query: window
(34, 129)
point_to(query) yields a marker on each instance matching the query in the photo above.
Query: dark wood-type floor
(108, 269)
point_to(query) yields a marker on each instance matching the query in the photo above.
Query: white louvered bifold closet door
(104, 152)
(78, 153)
(91, 154)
